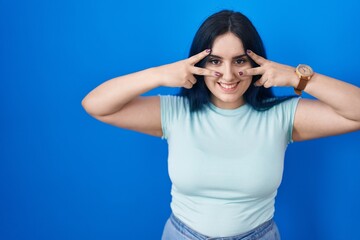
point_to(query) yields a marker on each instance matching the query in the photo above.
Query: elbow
(88, 106)
(84, 104)
(93, 107)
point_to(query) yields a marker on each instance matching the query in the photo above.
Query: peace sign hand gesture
(272, 73)
(181, 73)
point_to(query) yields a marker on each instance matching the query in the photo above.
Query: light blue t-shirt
(225, 165)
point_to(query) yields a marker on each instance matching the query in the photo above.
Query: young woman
(226, 131)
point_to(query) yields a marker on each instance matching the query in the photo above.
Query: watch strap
(301, 86)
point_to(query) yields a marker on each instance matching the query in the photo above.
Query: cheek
(247, 84)
(210, 81)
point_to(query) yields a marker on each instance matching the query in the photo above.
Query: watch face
(305, 70)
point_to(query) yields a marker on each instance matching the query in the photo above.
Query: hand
(273, 74)
(181, 73)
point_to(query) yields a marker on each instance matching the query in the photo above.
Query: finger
(252, 71)
(267, 84)
(258, 59)
(260, 82)
(188, 85)
(204, 72)
(192, 80)
(198, 57)
(263, 81)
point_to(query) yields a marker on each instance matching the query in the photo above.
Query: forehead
(227, 45)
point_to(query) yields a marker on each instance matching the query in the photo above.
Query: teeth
(227, 86)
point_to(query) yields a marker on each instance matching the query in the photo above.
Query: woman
(227, 133)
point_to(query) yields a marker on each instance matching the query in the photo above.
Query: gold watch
(304, 73)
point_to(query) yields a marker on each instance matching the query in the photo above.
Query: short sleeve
(288, 110)
(172, 108)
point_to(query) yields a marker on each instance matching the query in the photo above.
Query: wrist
(304, 74)
(155, 78)
(294, 80)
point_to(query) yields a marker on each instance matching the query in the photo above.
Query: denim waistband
(253, 234)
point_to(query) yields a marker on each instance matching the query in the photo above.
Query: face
(228, 58)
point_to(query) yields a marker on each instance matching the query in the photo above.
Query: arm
(336, 111)
(118, 102)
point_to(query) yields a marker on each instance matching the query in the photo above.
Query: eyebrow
(236, 57)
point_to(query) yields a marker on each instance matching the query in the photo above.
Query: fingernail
(217, 74)
(248, 51)
(208, 50)
(241, 73)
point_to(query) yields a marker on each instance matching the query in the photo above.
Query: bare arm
(336, 111)
(118, 102)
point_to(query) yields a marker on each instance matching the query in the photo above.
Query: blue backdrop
(64, 175)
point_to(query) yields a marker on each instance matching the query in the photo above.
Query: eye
(240, 61)
(214, 61)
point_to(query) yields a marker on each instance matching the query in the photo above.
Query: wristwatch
(304, 73)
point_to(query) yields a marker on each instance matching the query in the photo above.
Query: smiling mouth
(228, 86)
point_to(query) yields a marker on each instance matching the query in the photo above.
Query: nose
(228, 73)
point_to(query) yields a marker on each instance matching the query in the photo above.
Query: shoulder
(173, 102)
(286, 107)
(174, 110)
(173, 98)
(278, 119)
(173, 107)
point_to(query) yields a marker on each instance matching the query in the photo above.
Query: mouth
(228, 87)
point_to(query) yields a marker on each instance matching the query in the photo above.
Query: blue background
(64, 175)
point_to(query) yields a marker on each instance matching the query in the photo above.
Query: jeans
(177, 230)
